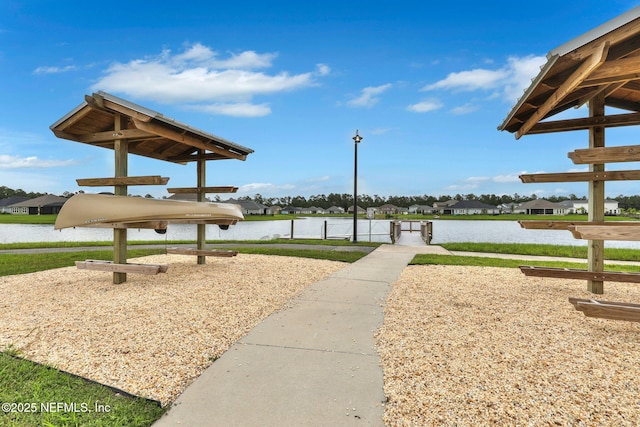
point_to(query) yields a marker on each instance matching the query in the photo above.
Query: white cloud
(225, 85)
(464, 109)
(16, 162)
(509, 81)
(425, 106)
(54, 70)
(521, 72)
(324, 178)
(240, 109)
(368, 96)
(470, 80)
(252, 188)
(513, 177)
(323, 69)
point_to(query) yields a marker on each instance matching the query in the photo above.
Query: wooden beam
(194, 157)
(570, 273)
(98, 101)
(202, 252)
(580, 74)
(614, 120)
(91, 138)
(607, 309)
(99, 265)
(595, 247)
(201, 170)
(565, 225)
(202, 190)
(606, 90)
(186, 139)
(619, 70)
(627, 175)
(123, 180)
(121, 152)
(625, 153)
(625, 232)
(70, 121)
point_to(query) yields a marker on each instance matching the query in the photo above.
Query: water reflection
(444, 231)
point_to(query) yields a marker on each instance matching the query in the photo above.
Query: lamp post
(357, 140)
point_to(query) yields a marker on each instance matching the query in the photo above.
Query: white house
(582, 206)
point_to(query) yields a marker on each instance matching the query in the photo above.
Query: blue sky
(425, 83)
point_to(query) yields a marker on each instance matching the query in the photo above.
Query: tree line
(344, 200)
(364, 200)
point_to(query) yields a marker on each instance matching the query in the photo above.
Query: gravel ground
(153, 335)
(476, 346)
(460, 346)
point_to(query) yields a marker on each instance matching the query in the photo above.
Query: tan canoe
(90, 210)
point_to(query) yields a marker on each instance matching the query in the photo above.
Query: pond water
(444, 231)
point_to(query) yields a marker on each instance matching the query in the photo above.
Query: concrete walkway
(314, 363)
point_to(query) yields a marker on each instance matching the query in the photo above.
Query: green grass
(28, 263)
(344, 256)
(37, 245)
(429, 259)
(618, 254)
(42, 389)
(27, 219)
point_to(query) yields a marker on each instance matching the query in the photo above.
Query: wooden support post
(121, 149)
(202, 181)
(595, 253)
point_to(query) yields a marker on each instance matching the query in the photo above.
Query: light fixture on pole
(357, 140)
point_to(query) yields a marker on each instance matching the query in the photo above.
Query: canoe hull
(91, 210)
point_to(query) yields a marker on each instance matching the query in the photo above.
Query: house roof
(540, 204)
(46, 200)
(149, 133)
(12, 200)
(249, 205)
(603, 61)
(472, 204)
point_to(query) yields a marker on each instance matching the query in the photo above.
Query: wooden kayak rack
(607, 309)
(202, 252)
(94, 264)
(107, 121)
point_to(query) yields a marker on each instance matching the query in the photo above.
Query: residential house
(334, 210)
(273, 210)
(443, 207)
(541, 207)
(249, 207)
(316, 210)
(291, 210)
(388, 209)
(582, 206)
(43, 205)
(5, 203)
(508, 207)
(361, 211)
(420, 209)
(471, 207)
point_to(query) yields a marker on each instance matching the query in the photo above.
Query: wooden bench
(627, 231)
(607, 309)
(93, 264)
(202, 252)
(570, 273)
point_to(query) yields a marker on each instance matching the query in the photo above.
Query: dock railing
(425, 228)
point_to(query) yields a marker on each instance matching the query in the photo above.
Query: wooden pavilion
(600, 69)
(104, 120)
